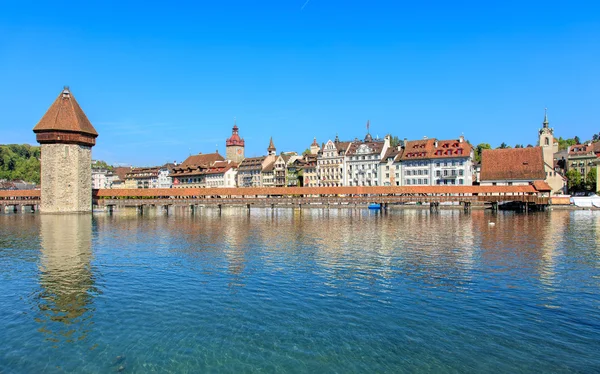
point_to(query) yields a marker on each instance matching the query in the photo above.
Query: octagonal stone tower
(66, 137)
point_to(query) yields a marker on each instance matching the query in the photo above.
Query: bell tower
(66, 137)
(234, 146)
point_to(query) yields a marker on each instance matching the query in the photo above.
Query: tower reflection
(66, 277)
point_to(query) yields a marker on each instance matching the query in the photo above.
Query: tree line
(20, 162)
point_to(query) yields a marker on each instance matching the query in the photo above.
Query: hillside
(20, 161)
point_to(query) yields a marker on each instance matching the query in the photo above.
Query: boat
(374, 206)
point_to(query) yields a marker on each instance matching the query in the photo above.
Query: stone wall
(66, 178)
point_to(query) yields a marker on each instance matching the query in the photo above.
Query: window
(408, 181)
(445, 163)
(460, 181)
(445, 173)
(461, 172)
(387, 167)
(425, 172)
(438, 173)
(453, 163)
(437, 164)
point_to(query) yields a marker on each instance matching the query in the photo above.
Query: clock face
(239, 151)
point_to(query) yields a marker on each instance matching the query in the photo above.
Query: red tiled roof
(121, 172)
(375, 146)
(235, 138)
(433, 148)
(201, 160)
(252, 163)
(512, 164)
(541, 186)
(65, 114)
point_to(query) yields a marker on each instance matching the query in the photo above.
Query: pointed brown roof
(65, 114)
(271, 145)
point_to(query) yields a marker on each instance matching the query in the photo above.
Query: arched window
(547, 141)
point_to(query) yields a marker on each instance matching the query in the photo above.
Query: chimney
(461, 138)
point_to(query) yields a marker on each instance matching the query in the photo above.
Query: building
(582, 158)
(191, 172)
(308, 174)
(234, 146)
(512, 166)
(66, 137)
(142, 177)
(221, 174)
(258, 171)
(118, 177)
(390, 167)
(249, 172)
(437, 162)
(164, 175)
(331, 163)
(314, 147)
(362, 161)
(101, 178)
(549, 145)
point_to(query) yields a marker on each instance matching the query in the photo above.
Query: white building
(362, 161)
(331, 163)
(390, 167)
(432, 162)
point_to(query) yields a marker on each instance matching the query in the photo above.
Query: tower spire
(545, 123)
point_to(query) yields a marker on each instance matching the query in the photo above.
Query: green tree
(20, 162)
(590, 179)
(503, 146)
(306, 152)
(573, 180)
(565, 143)
(394, 141)
(480, 147)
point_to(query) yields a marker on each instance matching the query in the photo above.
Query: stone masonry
(66, 178)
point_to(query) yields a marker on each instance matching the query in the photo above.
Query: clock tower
(234, 146)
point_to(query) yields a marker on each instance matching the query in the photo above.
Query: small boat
(374, 206)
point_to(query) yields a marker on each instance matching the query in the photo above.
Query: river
(300, 291)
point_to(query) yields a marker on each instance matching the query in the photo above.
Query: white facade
(390, 171)
(164, 180)
(99, 179)
(331, 164)
(363, 161)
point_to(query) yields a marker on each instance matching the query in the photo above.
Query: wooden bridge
(527, 195)
(17, 200)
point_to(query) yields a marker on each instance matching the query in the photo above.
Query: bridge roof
(283, 191)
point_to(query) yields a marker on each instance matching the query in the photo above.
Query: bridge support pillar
(219, 207)
(15, 208)
(272, 206)
(467, 206)
(140, 210)
(110, 209)
(33, 208)
(166, 208)
(494, 206)
(434, 206)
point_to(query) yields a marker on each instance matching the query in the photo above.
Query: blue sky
(161, 80)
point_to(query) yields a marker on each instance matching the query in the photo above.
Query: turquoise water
(300, 291)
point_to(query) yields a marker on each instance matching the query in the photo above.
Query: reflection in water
(66, 279)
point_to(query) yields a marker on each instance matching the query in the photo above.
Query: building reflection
(66, 278)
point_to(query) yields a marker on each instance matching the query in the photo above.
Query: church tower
(234, 146)
(66, 137)
(272, 151)
(314, 147)
(546, 140)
